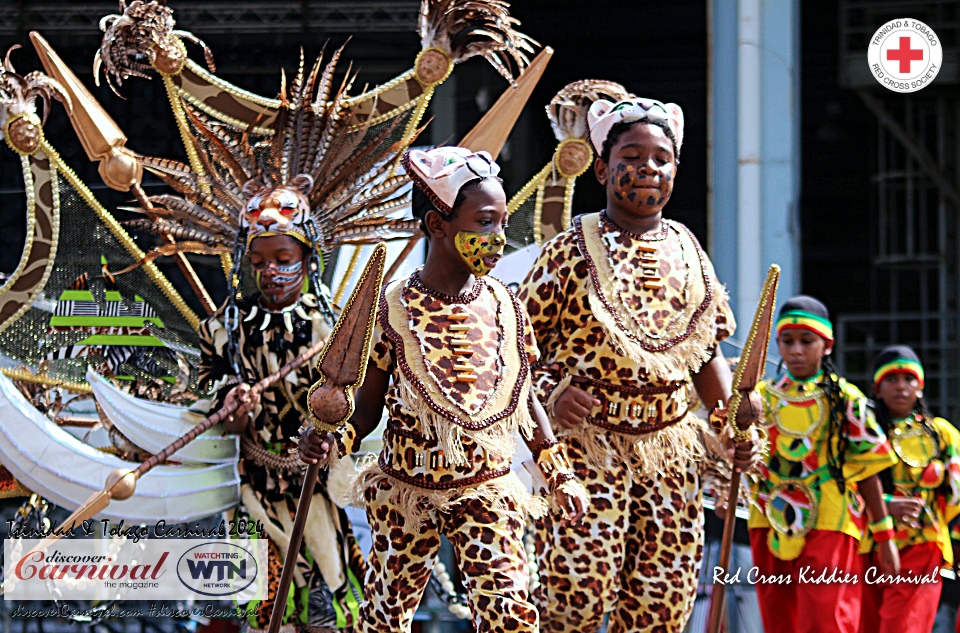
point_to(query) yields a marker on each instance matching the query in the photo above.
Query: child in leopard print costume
(457, 346)
(628, 314)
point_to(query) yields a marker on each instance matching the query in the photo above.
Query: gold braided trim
(386, 116)
(54, 236)
(568, 202)
(217, 114)
(31, 224)
(40, 379)
(422, 102)
(226, 263)
(538, 212)
(351, 267)
(229, 88)
(379, 90)
(181, 120)
(528, 189)
(122, 236)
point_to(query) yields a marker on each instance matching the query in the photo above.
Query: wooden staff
(122, 483)
(749, 372)
(342, 366)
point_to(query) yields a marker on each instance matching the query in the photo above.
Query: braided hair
(839, 424)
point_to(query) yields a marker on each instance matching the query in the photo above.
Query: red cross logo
(905, 54)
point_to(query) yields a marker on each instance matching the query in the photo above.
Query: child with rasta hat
(922, 491)
(824, 446)
(628, 314)
(457, 346)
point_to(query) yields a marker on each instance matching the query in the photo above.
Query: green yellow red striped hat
(897, 359)
(805, 313)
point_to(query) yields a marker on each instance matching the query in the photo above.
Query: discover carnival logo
(905, 55)
(118, 569)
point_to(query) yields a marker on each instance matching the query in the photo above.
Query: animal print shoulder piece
(654, 297)
(463, 364)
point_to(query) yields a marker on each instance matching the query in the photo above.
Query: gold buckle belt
(637, 410)
(427, 465)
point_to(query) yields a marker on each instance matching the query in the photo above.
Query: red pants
(823, 593)
(902, 608)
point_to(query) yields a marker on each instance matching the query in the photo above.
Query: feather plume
(476, 28)
(567, 111)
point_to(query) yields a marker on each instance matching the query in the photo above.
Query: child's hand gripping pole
(342, 366)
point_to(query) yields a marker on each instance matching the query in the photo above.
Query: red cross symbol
(905, 54)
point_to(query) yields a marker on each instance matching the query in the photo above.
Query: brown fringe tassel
(499, 439)
(668, 450)
(690, 353)
(415, 504)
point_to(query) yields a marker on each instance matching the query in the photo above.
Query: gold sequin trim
(39, 379)
(217, 114)
(229, 88)
(122, 236)
(366, 96)
(181, 120)
(528, 189)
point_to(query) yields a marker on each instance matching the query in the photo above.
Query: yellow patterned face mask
(477, 249)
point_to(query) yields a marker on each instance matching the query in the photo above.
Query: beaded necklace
(815, 393)
(650, 267)
(465, 372)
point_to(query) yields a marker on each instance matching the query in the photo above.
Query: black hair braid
(839, 424)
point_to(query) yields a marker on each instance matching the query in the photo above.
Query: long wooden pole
(718, 601)
(296, 540)
(122, 483)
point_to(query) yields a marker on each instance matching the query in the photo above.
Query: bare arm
(369, 398)
(872, 492)
(713, 380)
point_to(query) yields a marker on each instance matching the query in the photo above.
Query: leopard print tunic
(626, 318)
(460, 384)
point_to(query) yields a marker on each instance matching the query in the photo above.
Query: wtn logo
(217, 568)
(224, 568)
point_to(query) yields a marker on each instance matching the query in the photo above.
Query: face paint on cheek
(289, 273)
(475, 248)
(288, 280)
(621, 177)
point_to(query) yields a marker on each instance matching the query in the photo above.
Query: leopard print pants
(488, 542)
(635, 554)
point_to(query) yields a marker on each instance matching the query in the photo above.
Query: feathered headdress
(468, 29)
(319, 161)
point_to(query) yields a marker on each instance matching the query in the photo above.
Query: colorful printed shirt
(794, 491)
(460, 382)
(628, 318)
(932, 474)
